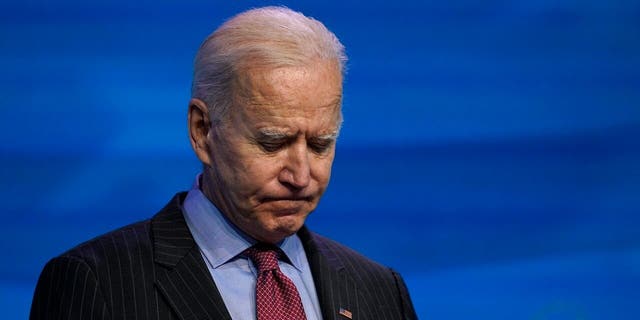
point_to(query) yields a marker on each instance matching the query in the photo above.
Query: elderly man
(263, 119)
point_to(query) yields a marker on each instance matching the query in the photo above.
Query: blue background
(490, 150)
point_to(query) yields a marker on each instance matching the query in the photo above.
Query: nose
(296, 172)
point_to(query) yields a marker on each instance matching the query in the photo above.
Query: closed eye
(272, 141)
(272, 146)
(320, 145)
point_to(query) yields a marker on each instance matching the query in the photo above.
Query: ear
(199, 126)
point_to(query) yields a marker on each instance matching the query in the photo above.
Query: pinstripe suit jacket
(154, 270)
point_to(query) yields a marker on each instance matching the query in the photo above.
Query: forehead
(309, 93)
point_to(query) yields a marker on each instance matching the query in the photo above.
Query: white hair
(269, 37)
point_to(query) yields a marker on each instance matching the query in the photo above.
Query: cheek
(258, 171)
(238, 167)
(322, 170)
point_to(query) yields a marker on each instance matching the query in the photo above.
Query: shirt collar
(219, 239)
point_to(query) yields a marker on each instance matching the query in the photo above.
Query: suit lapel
(336, 290)
(182, 276)
(184, 280)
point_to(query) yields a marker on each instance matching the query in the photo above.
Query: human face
(271, 158)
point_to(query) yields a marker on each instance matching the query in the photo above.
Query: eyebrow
(272, 134)
(328, 136)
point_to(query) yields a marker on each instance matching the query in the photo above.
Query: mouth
(287, 205)
(287, 199)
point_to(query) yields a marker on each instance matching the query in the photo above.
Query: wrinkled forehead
(313, 88)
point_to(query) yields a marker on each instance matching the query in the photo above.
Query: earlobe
(199, 125)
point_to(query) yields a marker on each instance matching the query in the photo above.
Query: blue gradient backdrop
(490, 150)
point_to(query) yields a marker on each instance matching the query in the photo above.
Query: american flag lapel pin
(345, 313)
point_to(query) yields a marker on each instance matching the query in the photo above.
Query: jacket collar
(181, 274)
(337, 292)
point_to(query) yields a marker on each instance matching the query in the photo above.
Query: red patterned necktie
(276, 296)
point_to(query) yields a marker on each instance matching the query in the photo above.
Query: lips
(284, 206)
(274, 199)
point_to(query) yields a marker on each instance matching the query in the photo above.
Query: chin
(281, 227)
(290, 224)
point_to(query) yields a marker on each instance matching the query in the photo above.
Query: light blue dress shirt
(221, 244)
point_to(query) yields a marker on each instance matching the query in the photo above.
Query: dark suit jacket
(154, 270)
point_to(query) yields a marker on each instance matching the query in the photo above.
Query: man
(263, 119)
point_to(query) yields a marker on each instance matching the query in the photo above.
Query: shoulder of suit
(132, 239)
(351, 259)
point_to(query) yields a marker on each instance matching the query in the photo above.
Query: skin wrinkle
(276, 137)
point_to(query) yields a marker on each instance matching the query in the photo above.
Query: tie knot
(265, 257)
